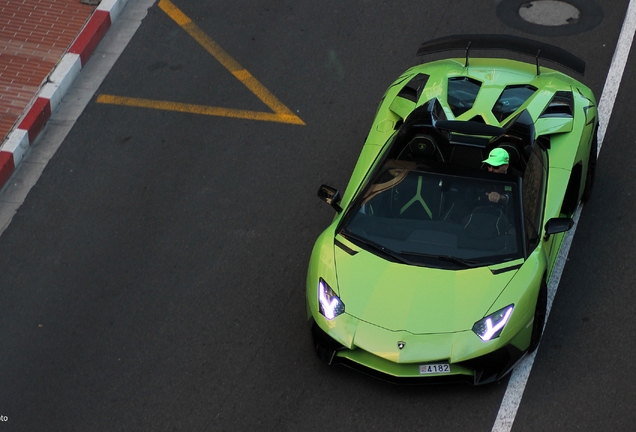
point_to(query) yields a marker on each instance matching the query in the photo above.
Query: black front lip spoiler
(487, 369)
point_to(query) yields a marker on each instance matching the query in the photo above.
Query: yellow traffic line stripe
(198, 109)
(280, 112)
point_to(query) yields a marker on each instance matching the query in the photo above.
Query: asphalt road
(153, 279)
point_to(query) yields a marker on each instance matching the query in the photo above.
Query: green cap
(497, 157)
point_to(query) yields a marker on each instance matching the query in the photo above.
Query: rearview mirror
(331, 196)
(557, 225)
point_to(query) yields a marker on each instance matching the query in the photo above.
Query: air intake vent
(511, 100)
(461, 94)
(413, 89)
(561, 105)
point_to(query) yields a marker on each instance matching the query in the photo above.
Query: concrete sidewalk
(43, 46)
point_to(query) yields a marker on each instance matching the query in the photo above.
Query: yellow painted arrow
(280, 112)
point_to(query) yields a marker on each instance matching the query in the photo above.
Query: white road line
(615, 74)
(519, 378)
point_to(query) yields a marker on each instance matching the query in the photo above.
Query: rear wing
(507, 43)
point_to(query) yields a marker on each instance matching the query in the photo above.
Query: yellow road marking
(281, 112)
(198, 109)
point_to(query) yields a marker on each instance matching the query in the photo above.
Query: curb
(59, 81)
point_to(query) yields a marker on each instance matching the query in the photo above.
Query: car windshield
(438, 219)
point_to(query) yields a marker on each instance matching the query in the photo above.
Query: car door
(534, 193)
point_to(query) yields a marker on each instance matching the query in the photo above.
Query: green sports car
(435, 267)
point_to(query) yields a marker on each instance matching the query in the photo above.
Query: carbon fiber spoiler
(507, 43)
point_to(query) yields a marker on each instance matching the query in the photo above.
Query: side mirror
(557, 225)
(331, 196)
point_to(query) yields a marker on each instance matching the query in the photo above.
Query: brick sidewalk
(46, 44)
(34, 35)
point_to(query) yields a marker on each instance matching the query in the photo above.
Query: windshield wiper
(376, 246)
(461, 261)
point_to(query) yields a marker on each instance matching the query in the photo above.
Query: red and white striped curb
(59, 81)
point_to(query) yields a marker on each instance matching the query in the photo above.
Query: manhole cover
(550, 17)
(549, 13)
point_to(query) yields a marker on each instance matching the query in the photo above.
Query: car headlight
(491, 326)
(328, 302)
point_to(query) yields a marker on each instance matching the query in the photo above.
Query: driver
(498, 162)
(485, 222)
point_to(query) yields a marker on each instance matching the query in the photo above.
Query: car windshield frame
(436, 239)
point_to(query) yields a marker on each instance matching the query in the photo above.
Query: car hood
(420, 300)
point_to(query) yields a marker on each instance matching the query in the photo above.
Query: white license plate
(434, 368)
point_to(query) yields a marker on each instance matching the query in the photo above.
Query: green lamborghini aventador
(436, 264)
